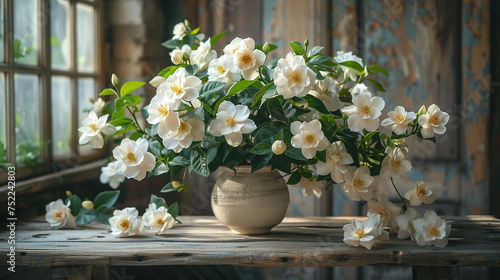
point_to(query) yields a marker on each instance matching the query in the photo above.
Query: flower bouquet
(308, 115)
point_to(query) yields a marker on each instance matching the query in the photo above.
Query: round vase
(250, 203)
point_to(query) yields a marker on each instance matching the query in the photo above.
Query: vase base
(258, 230)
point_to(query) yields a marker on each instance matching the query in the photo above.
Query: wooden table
(315, 241)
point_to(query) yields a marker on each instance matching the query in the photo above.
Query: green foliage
(28, 153)
(103, 208)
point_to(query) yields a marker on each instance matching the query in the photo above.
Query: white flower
(420, 194)
(279, 147)
(386, 209)
(162, 110)
(431, 230)
(160, 220)
(188, 131)
(177, 55)
(181, 86)
(157, 81)
(310, 186)
(308, 137)
(348, 72)
(396, 164)
(405, 223)
(244, 57)
(433, 122)
(203, 55)
(145, 218)
(125, 222)
(92, 129)
(327, 91)
(219, 71)
(133, 158)
(59, 215)
(365, 112)
(292, 77)
(179, 31)
(99, 105)
(398, 120)
(379, 230)
(358, 89)
(109, 175)
(360, 233)
(232, 121)
(358, 183)
(336, 163)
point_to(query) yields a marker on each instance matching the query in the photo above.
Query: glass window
(85, 41)
(61, 115)
(60, 38)
(3, 124)
(26, 44)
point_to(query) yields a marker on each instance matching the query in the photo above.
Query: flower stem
(402, 198)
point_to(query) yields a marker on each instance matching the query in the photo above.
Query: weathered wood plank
(296, 242)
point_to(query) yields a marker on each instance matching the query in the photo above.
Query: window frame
(48, 162)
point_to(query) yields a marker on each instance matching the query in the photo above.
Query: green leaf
(168, 188)
(376, 68)
(179, 161)
(294, 153)
(158, 201)
(237, 87)
(121, 122)
(314, 50)
(377, 85)
(217, 37)
(208, 108)
(209, 141)
(294, 178)
(319, 60)
(75, 204)
(108, 91)
(297, 48)
(107, 198)
(132, 99)
(266, 73)
(316, 103)
(211, 87)
(118, 114)
(280, 108)
(168, 71)
(136, 135)
(122, 131)
(369, 135)
(160, 168)
(260, 161)
(155, 147)
(104, 213)
(192, 69)
(263, 148)
(195, 114)
(353, 64)
(267, 132)
(85, 216)
(271, 47)
(173, 210)
(258, 96)
(172, 44)
(199, 162)
(129, 87)
(282, 163)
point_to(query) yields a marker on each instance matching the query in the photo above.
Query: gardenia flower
(232, 121)
(396, 164)
(421, 193)
(160, 220)
(386, 209)
(243, 56)
(310, 186)
(125, 222)
(188, 131)
(308, 137)
(358, 183)
(181, 86)
(358, 89)
(361, 233)
(431, 230)
(157, 81)
(398, 120)
(336, 163)
(145, 218)
(59, 215)
(177, 55)
(379, 231)
(92, 129)
(162, 110)
(365, 112)
(203, 55)
(219, 71)
(348, 72)
(433, 122)
(109, 175)
(179, 31)
(327, 91)
(405, 223)
(133, 157)
(292, 77)
(99, 105)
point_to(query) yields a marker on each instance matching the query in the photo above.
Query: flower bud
(156, 81)
(278, 147)
(87, 204)
(114, 80)
(176, 56)
(176, 184)
(99, 105)
(186, 23)
(266, 48)
(422, 110)
(68, 193)
(306, 43)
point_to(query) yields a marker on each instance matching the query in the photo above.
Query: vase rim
(247, 169)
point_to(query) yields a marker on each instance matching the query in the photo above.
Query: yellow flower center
(382, 214)
(93, 127)
(131, 156)
(296, 78)
(231, 122)
(236, 49)
(163, 110)
(177, 89)
(434, 120)
(399, 118)
(221, 69)
(124, 225)
(246, 58)
(421, 191)
(182, 126)
(58, 215)
(434, 231)
(396, 164)
(365, 110)
(160, 222)
(358, 183)
(411, 226)
(360, 233)
(310, 138)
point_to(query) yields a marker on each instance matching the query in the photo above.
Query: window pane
(2, 32)
(60, 40)
(3, 117)
(26, 31)
(86, 91)
(61, 115)
(85, 40)
(27, 99)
